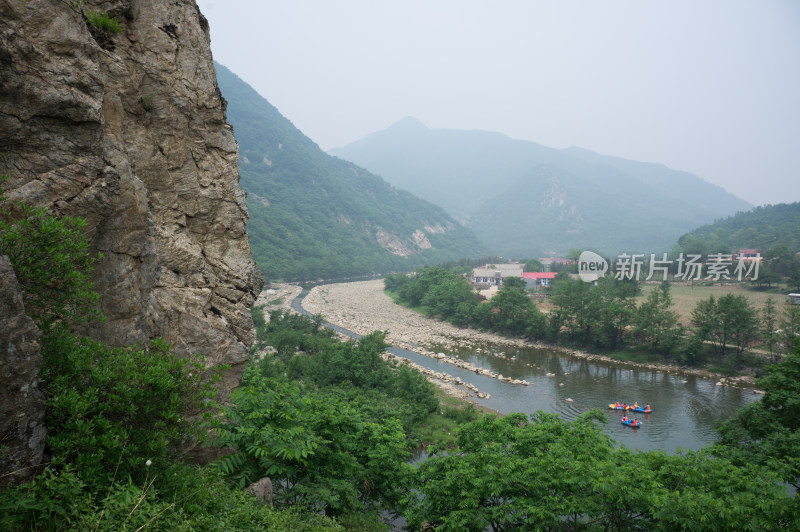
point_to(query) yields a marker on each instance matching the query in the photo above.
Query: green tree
(780, 259)
(446, 297)
(596, 315)
(790, 328)
(571, 298)
(767, 432)
(655, 322)
(543, 473)
(511, 283)
(794, 276)
(513, 312)
(51, 260)
(692, 245)
(394, 281)
(766, 276)
(727, 322)
(424, 279)
(321, 453)
(769, 324)
(613, 304)
(112, 409)
(574, 254)
(533, 265)
(740, 320)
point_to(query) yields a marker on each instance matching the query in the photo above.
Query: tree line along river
(685, 408)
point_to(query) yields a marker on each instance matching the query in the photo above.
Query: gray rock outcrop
(128, 130)
(22, 430)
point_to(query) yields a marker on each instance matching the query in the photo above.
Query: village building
(538, 279)
(493, 274)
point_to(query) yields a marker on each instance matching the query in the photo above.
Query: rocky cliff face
(128, 130)
(22, 429)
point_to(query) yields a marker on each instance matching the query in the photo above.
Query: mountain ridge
(763, 227)
(314, 216)
(477, 177)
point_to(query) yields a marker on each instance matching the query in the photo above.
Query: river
(685, 408)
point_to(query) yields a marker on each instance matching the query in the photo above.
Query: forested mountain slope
(762, 228)
(523, 199)
(315, 216)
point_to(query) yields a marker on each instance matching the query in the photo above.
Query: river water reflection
(685, 408)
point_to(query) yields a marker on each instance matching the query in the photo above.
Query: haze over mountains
(523, 199)
(313, 216)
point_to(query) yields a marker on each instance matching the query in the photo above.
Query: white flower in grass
(148, 463)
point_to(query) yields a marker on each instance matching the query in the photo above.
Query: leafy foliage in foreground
(115, 417)
(544, 473)
(112, 409)
(174, 497)
(767, 432)
(326, 420)
(115, 420)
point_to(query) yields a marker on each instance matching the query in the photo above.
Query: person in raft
(635, 405)
(624, 406)
(635, 421)
(616, 405)
(624, 417)
(647, 407)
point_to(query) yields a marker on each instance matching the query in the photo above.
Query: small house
(536, 279)
(747, 254)
(493, 274)
(794, 299)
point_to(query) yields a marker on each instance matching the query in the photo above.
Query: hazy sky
(710, 87)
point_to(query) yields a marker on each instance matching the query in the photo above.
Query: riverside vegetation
(607, 318)
(333, 424)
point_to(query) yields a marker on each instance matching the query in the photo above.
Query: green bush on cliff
(112, 409)
(103, 22)
(51, 260)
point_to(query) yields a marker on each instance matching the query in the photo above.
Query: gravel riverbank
(363, 307)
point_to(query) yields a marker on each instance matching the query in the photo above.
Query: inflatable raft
(640, 409)
(632, 423)
(613, 406)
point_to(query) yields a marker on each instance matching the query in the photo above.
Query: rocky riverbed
(363, 307)
(277, 296)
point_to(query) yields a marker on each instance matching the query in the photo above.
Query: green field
(685, 296)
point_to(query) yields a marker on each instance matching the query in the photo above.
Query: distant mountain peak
(407, 123)
(521, 198)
